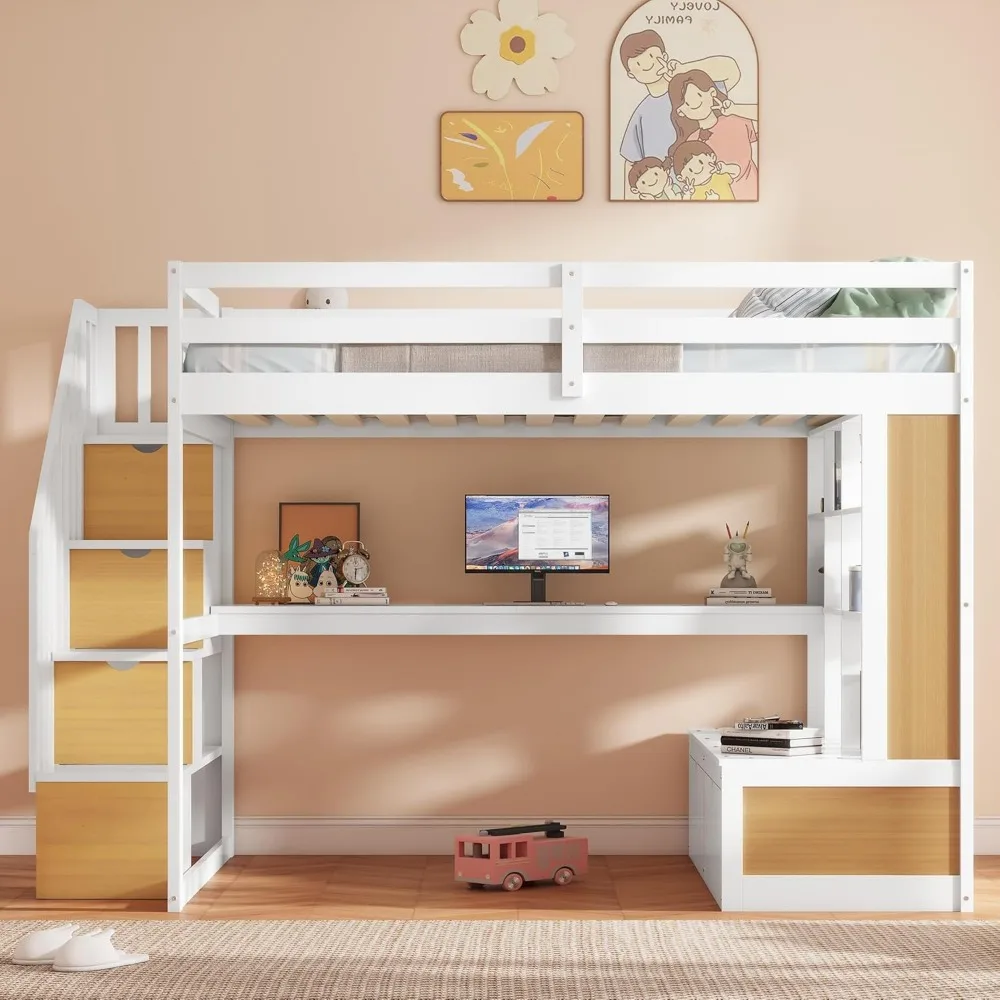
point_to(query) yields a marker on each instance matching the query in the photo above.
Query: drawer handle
(122, 664)
(147, 449)
(135, 553)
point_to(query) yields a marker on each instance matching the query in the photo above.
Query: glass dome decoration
(270, 579)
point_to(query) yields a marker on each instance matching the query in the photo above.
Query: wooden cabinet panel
(118, 601)
(125, 491)
(109, 716)
(923, 690)
(101, 840)
(850, 831)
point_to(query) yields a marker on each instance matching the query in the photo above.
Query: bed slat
(250, 420)
(297, 419)
(685, 419)
(539, 419)
(588, 419)
(780, 420)
(490, 419)
(733, 420)
(441, 420)
(394, 419)
(345, 419)
(636, 419)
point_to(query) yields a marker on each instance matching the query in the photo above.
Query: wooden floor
(399, 888)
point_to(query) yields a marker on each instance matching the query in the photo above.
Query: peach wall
(307, 131)
(512, 725)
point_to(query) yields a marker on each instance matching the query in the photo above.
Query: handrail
(197, 276)
(57, 516)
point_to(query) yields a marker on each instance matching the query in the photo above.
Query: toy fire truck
(509, 856)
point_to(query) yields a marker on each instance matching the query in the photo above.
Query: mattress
(494, 358)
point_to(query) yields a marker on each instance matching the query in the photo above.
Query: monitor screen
(537, 534)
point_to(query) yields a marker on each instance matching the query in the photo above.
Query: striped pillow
(793, 303)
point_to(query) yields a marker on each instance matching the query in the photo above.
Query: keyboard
(536, 604)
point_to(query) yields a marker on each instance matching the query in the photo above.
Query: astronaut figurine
(737, 555)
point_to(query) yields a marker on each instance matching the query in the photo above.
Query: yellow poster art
(512, 156)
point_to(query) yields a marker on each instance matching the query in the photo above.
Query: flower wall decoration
(515, 45)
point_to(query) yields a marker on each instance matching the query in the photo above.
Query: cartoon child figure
(650, 179)
(650, 131)
(697, 166)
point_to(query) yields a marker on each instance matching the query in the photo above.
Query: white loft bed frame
(215, 408)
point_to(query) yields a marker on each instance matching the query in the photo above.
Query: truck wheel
(513, 882)
(563, 877)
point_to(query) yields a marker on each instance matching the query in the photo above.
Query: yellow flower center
(517, 45)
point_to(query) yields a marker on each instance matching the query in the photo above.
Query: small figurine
(325, 588)
(508, 858)
(326, 298)
(738, 555)
(299, 589)
(323, 551)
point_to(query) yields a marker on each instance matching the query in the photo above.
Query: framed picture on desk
(311, 519)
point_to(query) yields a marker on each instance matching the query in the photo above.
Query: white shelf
(124, 772)
(827, 768)
(844, 512)
(210, 648)
(133, 545)
(522, 619)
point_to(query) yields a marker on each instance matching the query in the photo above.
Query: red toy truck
(508, 857)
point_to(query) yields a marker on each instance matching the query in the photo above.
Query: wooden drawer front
(109, 716)
(117, 601)
(125, 491)
(101, 840)
(850, 831)
(923, 690)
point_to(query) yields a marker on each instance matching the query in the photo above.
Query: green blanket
(932, 303)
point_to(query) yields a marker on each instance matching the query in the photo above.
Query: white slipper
(39, 947)
(92, 954)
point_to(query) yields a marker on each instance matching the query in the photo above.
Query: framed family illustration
(683, 105)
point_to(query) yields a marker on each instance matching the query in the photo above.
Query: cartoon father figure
(650, 131)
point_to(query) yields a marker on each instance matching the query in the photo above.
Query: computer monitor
(537, 535)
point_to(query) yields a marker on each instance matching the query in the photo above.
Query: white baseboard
(436, 835)
(987, 835)
(17, 834)
(852, 893)
(395, 835)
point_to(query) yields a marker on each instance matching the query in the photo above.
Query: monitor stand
(537, 595)
(537, 591)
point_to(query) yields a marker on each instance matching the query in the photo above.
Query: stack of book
(771, 737)
(739, 595)
(357, 596)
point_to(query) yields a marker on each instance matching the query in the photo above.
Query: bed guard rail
(571, 324)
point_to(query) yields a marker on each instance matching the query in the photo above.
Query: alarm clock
(354, 564)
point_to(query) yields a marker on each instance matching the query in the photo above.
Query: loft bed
(892, 686)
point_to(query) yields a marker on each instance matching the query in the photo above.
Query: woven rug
(530, 960)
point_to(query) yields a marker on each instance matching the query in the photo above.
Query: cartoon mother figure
(703, 117)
